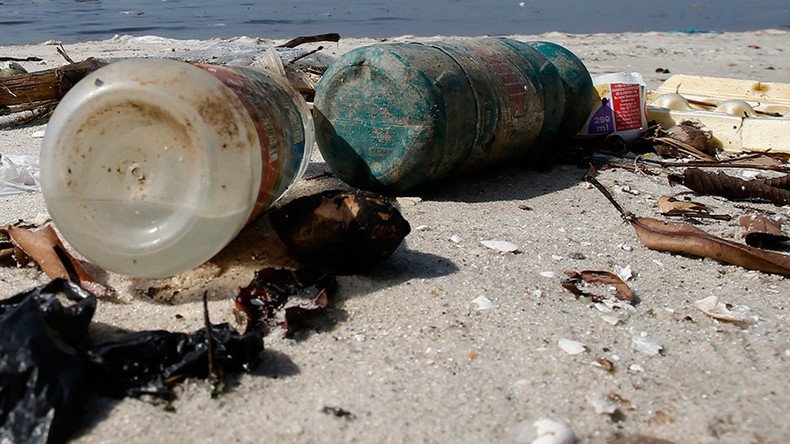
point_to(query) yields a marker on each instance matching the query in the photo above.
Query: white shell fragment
(721, 311)
(553, 432)
(500, 246)
(38, 134)
(602, 406)
(455, 239)
(624, 273)
(483, 303)
(571, 347)
(646, 346)
(547, 274)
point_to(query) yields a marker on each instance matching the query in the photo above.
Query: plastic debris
(500, 246)
(571, 347)
(42, 375)
(47, 366)
(18, 174)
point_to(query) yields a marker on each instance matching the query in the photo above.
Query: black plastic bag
(42, 380)
(145, 362)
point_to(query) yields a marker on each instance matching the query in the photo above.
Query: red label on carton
(627, 109)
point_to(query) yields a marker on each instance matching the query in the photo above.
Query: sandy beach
(408, 353)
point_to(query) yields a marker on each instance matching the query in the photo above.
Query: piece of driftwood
(301, 40)
(44, 86)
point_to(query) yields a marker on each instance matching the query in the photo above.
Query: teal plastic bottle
(393, 117)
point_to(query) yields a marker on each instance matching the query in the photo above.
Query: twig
(212, 377)
(20, 59)
(293, 43)
(701, 164)
(307, 54)
(625, 214)
(62, 52)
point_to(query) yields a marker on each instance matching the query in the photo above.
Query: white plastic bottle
(151, 167)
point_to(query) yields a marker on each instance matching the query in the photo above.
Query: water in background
(27, 21)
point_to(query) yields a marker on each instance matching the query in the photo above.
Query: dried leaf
(669, 206)
(693, 136)
(722, 184)
(271, 289)
(679, 237)
(46, 249)
(762, 232)
(685, 148)
(575, 283)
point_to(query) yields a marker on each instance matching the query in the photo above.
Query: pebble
(455, 238)
(547, 274)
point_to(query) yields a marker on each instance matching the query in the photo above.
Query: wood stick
(50, 84)
(293, 43)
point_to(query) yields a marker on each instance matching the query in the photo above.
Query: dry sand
(408, 353)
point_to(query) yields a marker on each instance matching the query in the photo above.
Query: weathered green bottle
(393, 117)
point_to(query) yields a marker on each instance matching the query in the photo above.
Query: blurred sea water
(29, 21)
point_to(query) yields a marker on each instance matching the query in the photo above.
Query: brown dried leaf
(600, 279)
(722, 184)
(679, 237)
(669, 206)
(46, 249)
(685, 148)
(762, 232)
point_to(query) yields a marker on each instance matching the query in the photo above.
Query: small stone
(636, 368)
(456, 239)
(547, 274)
(38, 134)
(578, 256)
(422, 228)
(571, 347)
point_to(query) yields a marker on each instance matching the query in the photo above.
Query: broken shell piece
(624, 273)
(721, 311)
(610, 319)
(647, 346)
(571, 347)
(547, 274)
(483, 303)
(500, 245)
(455, 238)
(553, 432)
(602, 406)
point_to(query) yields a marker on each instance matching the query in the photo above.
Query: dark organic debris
(597, 285)
(678, 237)
(301, 40)
(669, 206)
(48, 364)
(338, 412)
(762, 232)
(272, 288)
(722, 184)
(42, 373)
(345, 231)
(45, 248)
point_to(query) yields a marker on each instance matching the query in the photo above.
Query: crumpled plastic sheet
(18, 174)
(246, 54)
(47, 364)
(42, 372)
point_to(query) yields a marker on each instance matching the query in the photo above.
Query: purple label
(602, 122)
